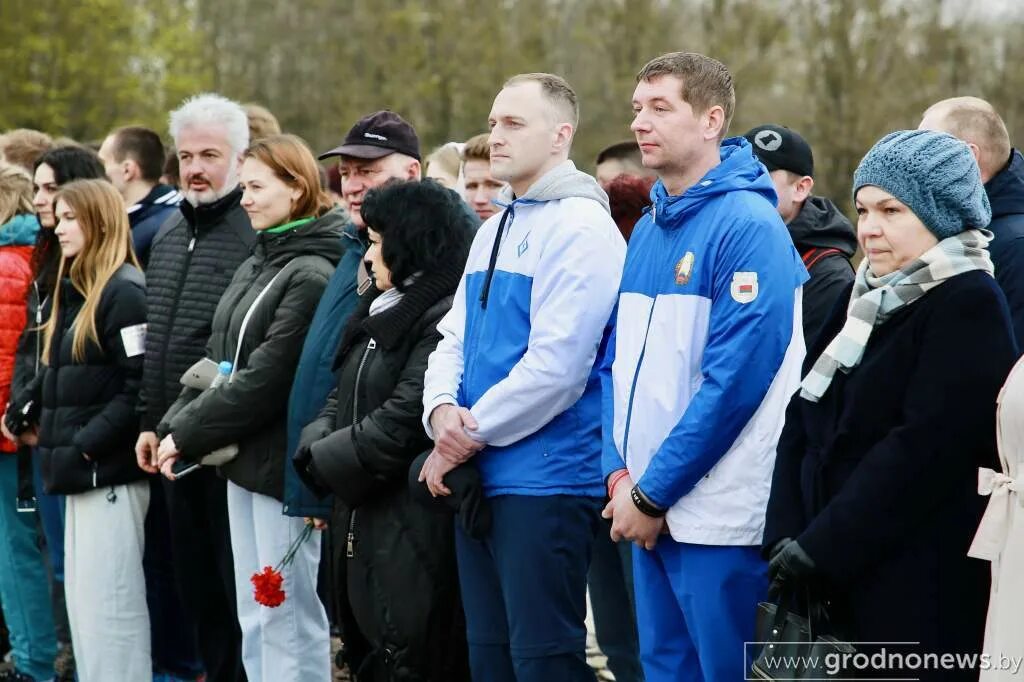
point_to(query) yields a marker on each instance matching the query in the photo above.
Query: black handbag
(793, 648)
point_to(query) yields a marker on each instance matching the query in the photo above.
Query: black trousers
(175, 649)
(201, 546)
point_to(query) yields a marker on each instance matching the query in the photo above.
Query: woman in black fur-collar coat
(394, 576)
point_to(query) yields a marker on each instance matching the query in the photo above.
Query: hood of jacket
(21, 230)
(561, 182)
(739, 170)
(1006, 189)
(820, 224)
(322, 237)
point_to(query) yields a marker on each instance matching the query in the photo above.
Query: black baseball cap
(378, 135)
(780, 148)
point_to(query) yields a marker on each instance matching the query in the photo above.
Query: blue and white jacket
(706, 351)
(524, 361)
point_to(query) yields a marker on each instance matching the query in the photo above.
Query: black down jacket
(88, 406)
(394, 565)
(251, 411)
(191, 261)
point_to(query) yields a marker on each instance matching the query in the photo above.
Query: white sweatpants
(291, 642)
(104, 586)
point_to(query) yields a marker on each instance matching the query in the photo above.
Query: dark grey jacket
(191, 261)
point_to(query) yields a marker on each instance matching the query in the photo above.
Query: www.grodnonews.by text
(898, 665)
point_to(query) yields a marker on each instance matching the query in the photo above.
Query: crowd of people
(429, 403)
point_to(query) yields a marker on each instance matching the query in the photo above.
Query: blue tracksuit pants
(696, 606)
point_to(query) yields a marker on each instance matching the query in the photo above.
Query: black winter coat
(1006, 194)
(251, 411)
(191, 261)
(396, 557)
(826, 241)
(88, 407)
(878, 480)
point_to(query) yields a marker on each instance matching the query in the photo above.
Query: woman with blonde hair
(259, 327)
(23, 587)
(444, 165)
(85, 396)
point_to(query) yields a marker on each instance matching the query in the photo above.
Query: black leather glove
(777, 547)
(789, 564)
(467, 499)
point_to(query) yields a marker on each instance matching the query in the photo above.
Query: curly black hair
(424, 227)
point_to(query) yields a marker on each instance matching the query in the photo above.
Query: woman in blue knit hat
(874, 500)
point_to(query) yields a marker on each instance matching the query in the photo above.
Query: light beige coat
(1000, 538)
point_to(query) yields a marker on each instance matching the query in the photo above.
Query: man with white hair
(191, 261)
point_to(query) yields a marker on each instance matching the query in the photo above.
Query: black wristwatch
(644, 504)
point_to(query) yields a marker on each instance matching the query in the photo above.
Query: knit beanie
(934, 174)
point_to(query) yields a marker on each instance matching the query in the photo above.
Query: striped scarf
(875, 299)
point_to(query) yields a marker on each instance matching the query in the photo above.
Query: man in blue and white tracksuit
(518, 363)
(705, 354)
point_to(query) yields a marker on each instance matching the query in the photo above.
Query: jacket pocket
(66, 471)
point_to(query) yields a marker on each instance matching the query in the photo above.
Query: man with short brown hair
(133, 158)
(481, 188)
(706, 351)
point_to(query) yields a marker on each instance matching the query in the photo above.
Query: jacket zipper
(174, 308)
(632, 388)
(350, 539)
(39, 323)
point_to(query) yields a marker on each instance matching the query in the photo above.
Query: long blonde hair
(103, 219)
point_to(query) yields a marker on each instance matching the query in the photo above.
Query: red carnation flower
(268, 584)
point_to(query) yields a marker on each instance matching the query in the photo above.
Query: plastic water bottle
(223, 374)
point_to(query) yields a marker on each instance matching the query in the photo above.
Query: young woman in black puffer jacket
(86, 393)
(394, 565)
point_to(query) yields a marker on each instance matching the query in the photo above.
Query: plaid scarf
(875, 299)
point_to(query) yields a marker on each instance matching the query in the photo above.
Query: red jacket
(15, 279)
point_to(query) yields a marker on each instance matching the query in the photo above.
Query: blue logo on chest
(523, 246)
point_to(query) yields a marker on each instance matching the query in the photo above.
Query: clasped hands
(153, 455)
(628, 522)
(452, 445)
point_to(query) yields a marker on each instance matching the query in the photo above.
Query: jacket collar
(203, 215)
(390, 327)
(1006, 188)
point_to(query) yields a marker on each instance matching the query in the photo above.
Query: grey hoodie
(561, 182)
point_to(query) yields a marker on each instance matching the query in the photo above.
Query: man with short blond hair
(977, 123)
(513, 386)
(481, 188)
(705, 354)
